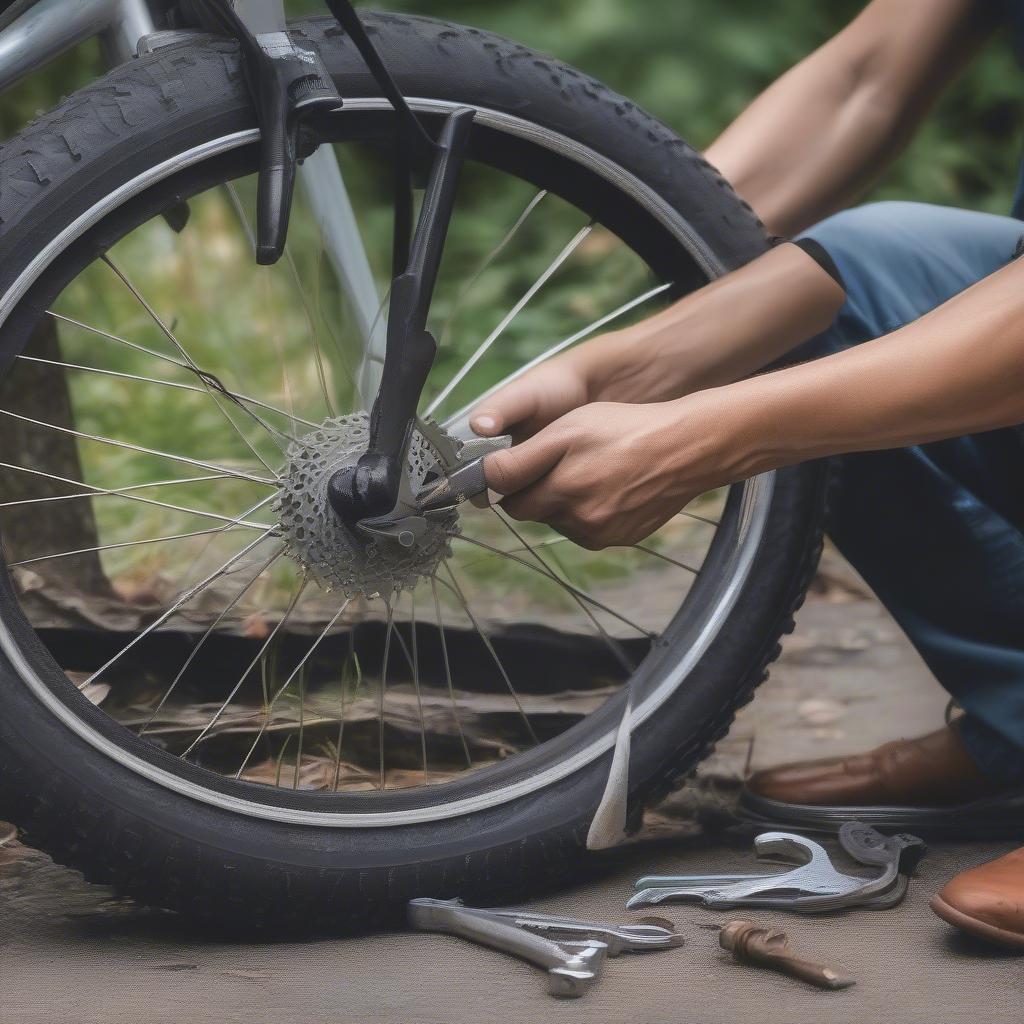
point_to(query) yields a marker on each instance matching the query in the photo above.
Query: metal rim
(754, 508)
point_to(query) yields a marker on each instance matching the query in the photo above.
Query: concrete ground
(846, 681)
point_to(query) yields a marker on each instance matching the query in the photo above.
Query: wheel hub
(337, 556)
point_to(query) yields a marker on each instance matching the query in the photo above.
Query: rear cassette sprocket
(336, 556)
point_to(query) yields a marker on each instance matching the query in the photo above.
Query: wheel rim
(749, 519)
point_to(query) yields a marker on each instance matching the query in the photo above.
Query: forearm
(815, 140)
(958, 370)
(719, 334)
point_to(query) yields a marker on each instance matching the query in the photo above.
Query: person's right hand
(531, 402)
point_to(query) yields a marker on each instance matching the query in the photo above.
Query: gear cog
(357, 565)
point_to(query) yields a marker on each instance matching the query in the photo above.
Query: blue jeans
(936, 530)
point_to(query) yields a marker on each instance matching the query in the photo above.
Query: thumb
(503, 410)
(515, 468)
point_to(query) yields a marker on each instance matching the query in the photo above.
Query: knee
(878, 251)
(851, 233)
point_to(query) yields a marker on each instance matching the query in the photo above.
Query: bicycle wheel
(210, 700)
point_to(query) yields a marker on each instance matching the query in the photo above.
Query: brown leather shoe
(934, 771)
(987, 901)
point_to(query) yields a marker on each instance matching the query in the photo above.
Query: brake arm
(371, 488)
(288, 83)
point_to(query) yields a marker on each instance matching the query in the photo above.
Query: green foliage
(696, 64)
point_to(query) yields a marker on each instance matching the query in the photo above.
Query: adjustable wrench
(572, 967)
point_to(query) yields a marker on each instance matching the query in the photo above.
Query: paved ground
(846, 681)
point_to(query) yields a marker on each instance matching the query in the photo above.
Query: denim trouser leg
(936, 530)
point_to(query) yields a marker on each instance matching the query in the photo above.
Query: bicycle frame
(42, 30)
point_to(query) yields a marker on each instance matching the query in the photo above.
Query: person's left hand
(610, 474)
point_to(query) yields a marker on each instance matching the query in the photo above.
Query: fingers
(502, 411)
(516, 468)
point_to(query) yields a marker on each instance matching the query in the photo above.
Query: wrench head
(790, 846)
(580, 972)
(869, 846)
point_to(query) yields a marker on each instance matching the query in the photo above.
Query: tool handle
(804, 970)
(751, 944)
(572, 968)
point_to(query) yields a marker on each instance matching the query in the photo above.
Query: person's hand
(531, 402)
(610, 474)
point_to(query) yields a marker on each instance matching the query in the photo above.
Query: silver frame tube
(51, 27)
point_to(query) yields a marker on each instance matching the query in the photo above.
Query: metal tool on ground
(815, 886)
(572, 952)
(641, 935)
(749, 943)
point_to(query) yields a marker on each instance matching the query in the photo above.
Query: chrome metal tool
(813, 887)
(642, 935)
(462, 479)
(572, 952)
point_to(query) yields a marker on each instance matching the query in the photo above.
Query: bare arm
(718, 334)
(814, 141)
(957, 370)
(807, 146)
(611, 473)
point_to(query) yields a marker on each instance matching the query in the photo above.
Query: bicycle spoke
(550, 543)
(267, 563)
(666, 558)
(457, 591)
(616, 648)
(183, 600)
(215, 381)
(138, 543)
(172, 338)
(120, 492)
(140, 379)
(314, 340)
(302, 728)
(245, 675)
(288, 682)
(487, 261)
(448, 674)
(183, 459)
(353, 658)
(236, 201)
(383, 687)
(251, 236)
(97, 492)
(551, 576)
(498, 331)
(555, 349)
(699, 519)
(308, 307)
(416, 682)
(373, 357)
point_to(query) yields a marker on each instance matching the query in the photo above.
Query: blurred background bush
(696, 64)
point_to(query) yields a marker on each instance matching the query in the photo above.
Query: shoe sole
(999, 817)
(979, 929)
